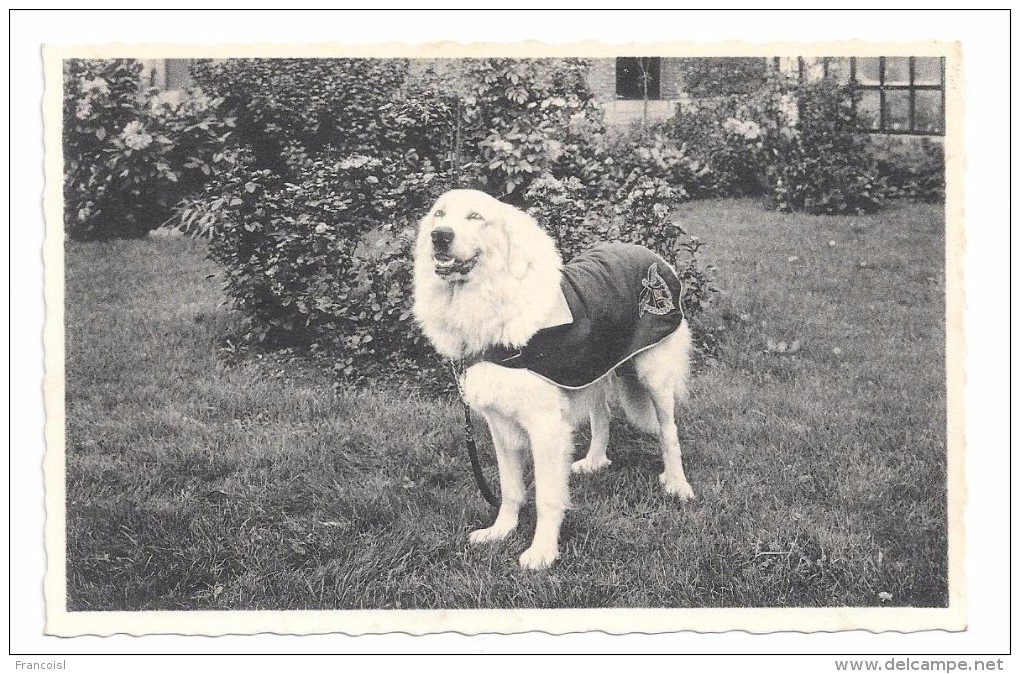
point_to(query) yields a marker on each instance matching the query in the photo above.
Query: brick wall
(166, 74)
(602, 79)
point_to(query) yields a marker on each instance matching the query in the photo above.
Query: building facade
(899, 95)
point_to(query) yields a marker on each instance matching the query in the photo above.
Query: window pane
(789, 65)
(868, 109)
(928, 115)
(867, 70)
(839, 70)
(927, 70)
(897, 70)
(632, 74)
(897, 111)
(814, 69)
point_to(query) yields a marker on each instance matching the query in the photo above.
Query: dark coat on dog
(622, 299)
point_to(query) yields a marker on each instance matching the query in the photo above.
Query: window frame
(882, 87)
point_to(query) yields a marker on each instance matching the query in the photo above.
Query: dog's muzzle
(447, 265)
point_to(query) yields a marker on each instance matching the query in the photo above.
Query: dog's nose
(442, 237)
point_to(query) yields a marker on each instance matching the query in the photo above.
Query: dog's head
(485, 273)
(467, 232)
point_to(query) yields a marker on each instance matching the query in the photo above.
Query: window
(634, 74)
(898, 94)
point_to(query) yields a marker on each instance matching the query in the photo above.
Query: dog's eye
(438, 214)
(474, 216)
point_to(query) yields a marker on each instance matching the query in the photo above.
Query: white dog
(491, 291)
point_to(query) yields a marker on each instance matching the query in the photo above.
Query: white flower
(135, 137)
(84, 110)
(321, 228)
(749, 129)
(554, 148)
(356, 161)
(97, 84)
(165, 101)
(788, 108)
(577, 122)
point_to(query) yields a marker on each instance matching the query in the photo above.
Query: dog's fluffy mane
(507, 297)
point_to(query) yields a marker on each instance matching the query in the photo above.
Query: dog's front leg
(508, 440)
(549, 435)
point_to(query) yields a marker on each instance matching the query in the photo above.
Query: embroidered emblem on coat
(655, 296)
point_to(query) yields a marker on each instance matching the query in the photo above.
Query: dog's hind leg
(663, 371)
(508, 440)
(672, 477)
(550, 438)
(598, 415)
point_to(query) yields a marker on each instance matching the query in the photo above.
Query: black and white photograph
(397, 336)
(627, 330)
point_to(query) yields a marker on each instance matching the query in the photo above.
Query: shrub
(307, 103)
(823, 165)
(912, 169)
(798, 143)
(521, 118)
(198, 129)
(728, 166)
(112, 164)
(706, 77)
(129, 156)
(322, 261)
(315, 236)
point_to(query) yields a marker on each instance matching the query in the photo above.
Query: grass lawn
(814, 439)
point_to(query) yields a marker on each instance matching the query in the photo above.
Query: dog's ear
(521, 232)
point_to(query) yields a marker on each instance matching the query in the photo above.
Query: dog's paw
(588, 465)
(489, 535)
(680, 488)
(535, 558)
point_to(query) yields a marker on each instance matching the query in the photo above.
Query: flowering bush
(129, 156)
(728, 164)
(195, 122)
(101, 132)
(797, 143)
(522, 117)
